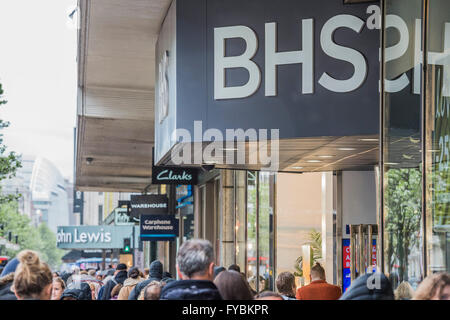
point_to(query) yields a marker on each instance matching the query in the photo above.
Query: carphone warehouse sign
(159, 227)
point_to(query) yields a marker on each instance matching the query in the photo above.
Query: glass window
(438, 137)
(402, 157)
(240, 219)
(251, 229)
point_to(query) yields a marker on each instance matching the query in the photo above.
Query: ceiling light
(368, 140)
(313, 161)
(326, 157)
(347, 149)
(297, 168)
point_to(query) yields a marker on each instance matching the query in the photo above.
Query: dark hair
(233, 286)
(285, 283)
(133, 273)
(318, 270)
(115, 291)
(234, 267)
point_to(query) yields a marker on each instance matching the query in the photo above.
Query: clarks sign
(174, 175)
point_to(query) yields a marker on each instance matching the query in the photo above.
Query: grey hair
(195, 256)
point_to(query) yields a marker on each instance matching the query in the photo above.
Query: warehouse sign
(148, 204)
(159, 228)
(94, 237)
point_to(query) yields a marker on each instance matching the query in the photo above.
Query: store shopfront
(360, 178)
(416, 216)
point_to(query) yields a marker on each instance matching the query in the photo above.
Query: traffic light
(126, 244)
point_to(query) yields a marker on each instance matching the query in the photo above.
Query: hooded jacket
(360, 288)
(190, 290)
(83, 293)
(155, 274)
(120, 277)
(10, 267)
(128, 285)
(5, 287)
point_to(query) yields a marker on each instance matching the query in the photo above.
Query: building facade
(303, 155)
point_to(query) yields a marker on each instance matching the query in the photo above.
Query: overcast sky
(38, 72)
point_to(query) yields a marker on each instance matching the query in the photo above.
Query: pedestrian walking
(286, 285)
(133, 279)
(195, 266)
(370, 286)
(152, 291)
(58, 288)
(268, 295)
(32, 278)
(120, 275)
(233, 286)
(434, 287)
(155, 274)
(318, 289)
(7, 279)
(404, 291)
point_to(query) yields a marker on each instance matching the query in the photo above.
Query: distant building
(44, 192)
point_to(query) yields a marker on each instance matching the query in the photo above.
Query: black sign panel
(174, 175)
(159, 228)
(148, 204)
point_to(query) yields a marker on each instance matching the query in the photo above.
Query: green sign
(96, 237)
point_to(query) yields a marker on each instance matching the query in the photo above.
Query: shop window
(437, 137)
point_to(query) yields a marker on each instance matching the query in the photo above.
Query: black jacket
(190, 290)
(361, 289)
(155, 274)
(83, 293)
(120, 277)
(5, 287)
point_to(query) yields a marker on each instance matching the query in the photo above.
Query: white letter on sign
(343, 53)
(221, 62)
(305, 57)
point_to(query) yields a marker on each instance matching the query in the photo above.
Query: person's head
(75, 270)
(55, 274)
(33, 278)
(92, 287)
(195, 260)
(268, 295)
(120, 267)
(156, 270)
(234, 267)
(58, 288)
(152, 291)
(218, 270)
(434, 287)
(404, 291)
(133, 273)
(91, 273)
(286, 284)
(233, 286)
(84, 272)
(317, 272)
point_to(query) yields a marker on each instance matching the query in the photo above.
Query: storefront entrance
(268, 223)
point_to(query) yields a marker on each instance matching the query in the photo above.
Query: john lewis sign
(94, 237)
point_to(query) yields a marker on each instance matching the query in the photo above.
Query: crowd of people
(26, 277)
